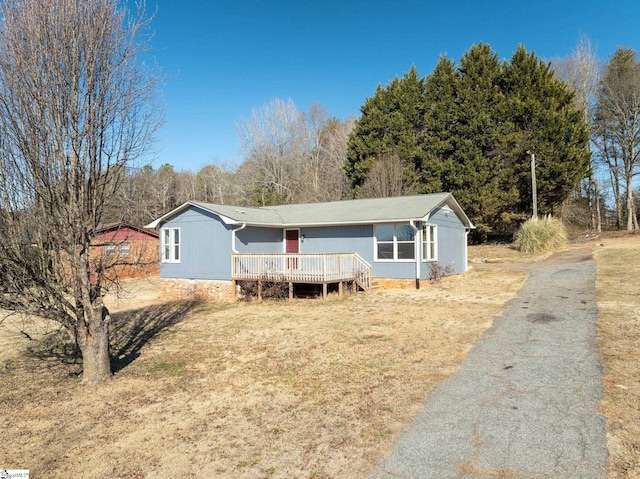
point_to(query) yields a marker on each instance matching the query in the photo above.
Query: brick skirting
(209, 289)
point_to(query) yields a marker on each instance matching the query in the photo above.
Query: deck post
(259, 290)
(340, 288)
(234, 288)
(324, 291)
(290, 290)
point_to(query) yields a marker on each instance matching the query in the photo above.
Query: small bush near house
(439, 271)
(541, 235)
(270, 290)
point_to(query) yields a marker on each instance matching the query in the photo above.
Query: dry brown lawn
(619, 341)
(299, 389)
(502, 253)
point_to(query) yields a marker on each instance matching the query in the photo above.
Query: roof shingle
(361, 211)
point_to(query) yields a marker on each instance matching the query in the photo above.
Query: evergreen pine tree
(474, 175)
(467, 130)
(390, 125)
(542, 118)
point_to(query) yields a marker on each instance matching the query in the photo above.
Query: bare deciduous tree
(291, 156)
(214, 184)
(273, 139)
(326, 179)
(582, 72)
(75, 109)
(617, 121)
(386, 178)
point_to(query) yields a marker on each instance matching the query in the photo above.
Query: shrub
(439, 271)
(270, 289)
(541, 235)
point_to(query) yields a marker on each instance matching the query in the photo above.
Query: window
(429, 250)
(171, 245)
(385, 239)
(395, 242)
(110, 249)
(125, 249)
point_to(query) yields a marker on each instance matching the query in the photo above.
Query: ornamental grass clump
(541, 235)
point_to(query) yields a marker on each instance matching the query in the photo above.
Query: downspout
(466, 248)
(233, 237)
(418, 250)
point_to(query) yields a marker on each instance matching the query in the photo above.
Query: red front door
(292, 243)
(292, 246)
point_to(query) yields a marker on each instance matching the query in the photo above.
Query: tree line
(471, 128)
(290, 156)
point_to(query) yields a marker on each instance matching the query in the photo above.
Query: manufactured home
(206, 249)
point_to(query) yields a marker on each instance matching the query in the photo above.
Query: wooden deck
(322, 269)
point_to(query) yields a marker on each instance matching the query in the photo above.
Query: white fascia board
(451, 201)
(156, 223)
(226, 220)
(163, 219)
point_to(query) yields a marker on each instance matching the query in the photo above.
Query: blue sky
(224, 58)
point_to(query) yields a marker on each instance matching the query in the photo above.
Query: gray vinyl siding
(359, 239)
(253, 239)
(205, 247)
(353, 239)
(452, 240)
(338, 239)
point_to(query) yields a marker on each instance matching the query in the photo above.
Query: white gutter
(233, 237)
(418, 244)
(466, 248)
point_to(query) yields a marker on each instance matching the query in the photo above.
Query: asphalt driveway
(524, 403)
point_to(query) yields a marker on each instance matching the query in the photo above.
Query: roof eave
(164, 218)
(455, 206)
(449, 200)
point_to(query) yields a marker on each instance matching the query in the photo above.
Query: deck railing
(302, 268)
(363, 272)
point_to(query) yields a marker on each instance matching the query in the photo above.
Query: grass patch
(619, 341)
(171, 368)
(301, 388)
(502, 253)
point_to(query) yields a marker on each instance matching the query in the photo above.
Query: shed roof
(121, 226)
(361, 211)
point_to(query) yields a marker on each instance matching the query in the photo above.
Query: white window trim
(433, 240)
(124, 249)
(395, 245)
(172, 245)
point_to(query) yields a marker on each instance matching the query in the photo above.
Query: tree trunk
(597, 200)
(93, 339)
(615, 185)
(630, 208)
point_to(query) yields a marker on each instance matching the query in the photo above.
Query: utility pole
(534, 189)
